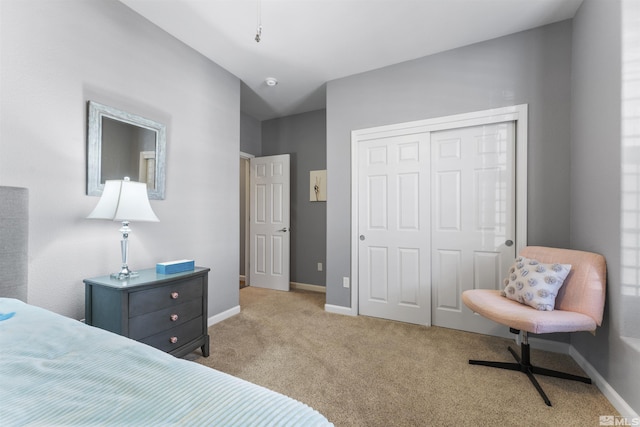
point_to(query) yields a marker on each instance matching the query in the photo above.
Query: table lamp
(125, 201)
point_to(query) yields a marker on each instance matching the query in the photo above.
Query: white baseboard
(616, 400)
(338, 309)
(222, 316)
(308, 287)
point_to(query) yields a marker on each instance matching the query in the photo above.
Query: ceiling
(306, 43)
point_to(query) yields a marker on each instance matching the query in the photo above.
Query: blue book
(171, 267)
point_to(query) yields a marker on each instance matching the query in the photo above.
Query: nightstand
(166, 311)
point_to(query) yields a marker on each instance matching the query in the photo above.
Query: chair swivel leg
(524, 365)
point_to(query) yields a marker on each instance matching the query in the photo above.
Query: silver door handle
(284, 230)
(509, 242)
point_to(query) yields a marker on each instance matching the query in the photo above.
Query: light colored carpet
(361, 371)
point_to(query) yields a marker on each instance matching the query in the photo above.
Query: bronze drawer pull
(173, 340)
(174, 295)
(174, 317)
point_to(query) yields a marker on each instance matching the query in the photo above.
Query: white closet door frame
(516, 113)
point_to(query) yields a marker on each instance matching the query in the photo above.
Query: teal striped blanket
(58, 371)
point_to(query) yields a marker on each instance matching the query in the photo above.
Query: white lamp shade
(124, 201)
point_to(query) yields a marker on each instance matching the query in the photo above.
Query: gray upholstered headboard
(14, 236)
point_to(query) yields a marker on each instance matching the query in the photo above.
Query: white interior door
(394, 263)
(269, 222)
(473, 213)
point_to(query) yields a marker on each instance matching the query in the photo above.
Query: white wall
(57, 55)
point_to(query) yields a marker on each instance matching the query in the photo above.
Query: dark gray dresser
(166, 311)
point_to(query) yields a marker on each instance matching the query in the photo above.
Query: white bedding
(57, 371)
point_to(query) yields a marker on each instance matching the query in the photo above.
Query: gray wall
(532, 67)
(250, 135)
(304, 137)
(596, 188)
(250, 143)
(57, 55)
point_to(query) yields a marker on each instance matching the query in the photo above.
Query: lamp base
(124, 272)
(124, 275)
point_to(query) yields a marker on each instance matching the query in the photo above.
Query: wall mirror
(122, 144)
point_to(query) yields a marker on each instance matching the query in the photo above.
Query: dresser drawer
(162, 320)
(157, 298)
(176, 337)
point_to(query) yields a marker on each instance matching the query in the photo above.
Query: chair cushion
(490, 304)
(534, 283)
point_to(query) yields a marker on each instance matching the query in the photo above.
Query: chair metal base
(524, 365)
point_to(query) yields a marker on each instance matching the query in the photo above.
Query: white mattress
(58, 371)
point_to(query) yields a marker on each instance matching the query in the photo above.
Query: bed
(59, 371)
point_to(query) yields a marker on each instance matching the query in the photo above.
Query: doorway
(404, 187)
(269, 221)
(245, 277)
(264, 221)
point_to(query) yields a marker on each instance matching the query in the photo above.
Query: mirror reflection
(130, 151)
(122, 144)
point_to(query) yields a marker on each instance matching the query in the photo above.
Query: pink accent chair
(578, 307)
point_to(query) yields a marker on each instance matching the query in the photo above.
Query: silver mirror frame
(94, 146)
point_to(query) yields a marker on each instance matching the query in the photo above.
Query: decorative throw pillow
(533, 283)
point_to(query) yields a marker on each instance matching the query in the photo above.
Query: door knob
(284, 230)
(362, 237)
(509, 242)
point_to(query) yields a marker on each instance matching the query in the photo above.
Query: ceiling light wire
(259, 22)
